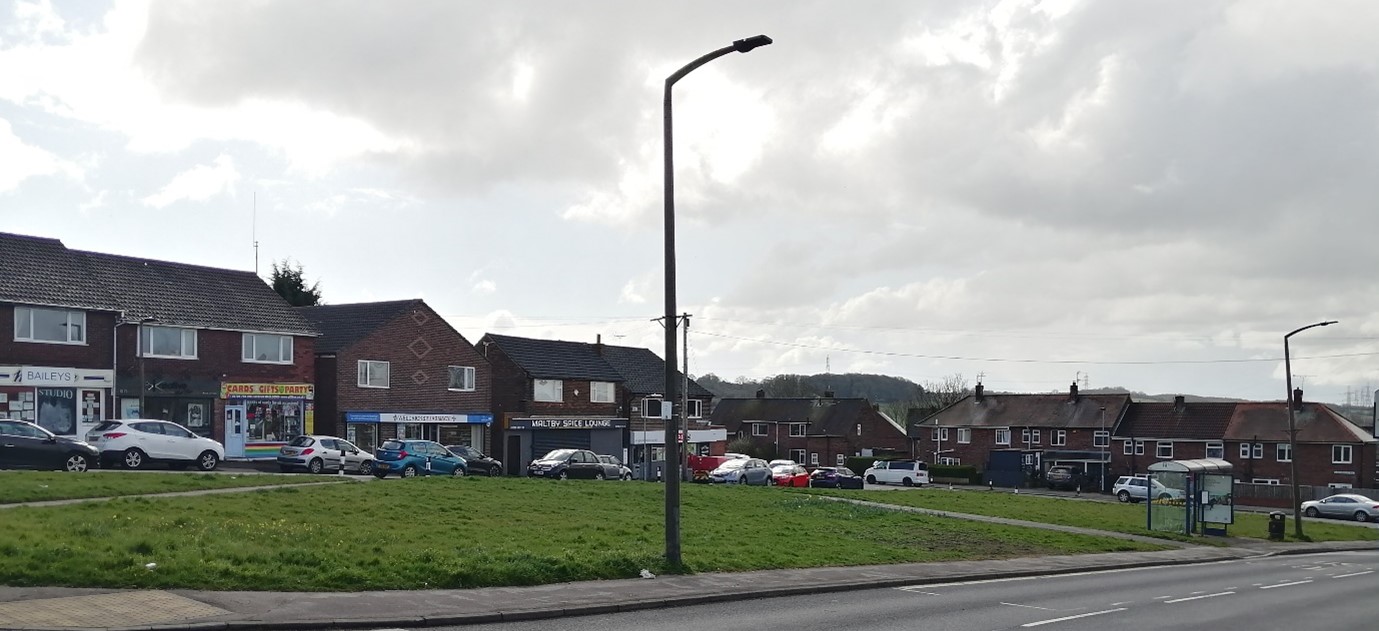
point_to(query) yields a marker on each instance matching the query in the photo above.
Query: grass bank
(474, 532)
(41, 486)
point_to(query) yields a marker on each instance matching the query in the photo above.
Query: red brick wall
(94, 354)
(1314, 465)
(978, 451)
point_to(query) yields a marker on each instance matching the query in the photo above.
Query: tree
(288, 281)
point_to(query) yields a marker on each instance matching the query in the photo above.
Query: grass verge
(1114, 517)
(42, 486)
(469, 532)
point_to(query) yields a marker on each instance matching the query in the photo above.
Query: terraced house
(821, 431)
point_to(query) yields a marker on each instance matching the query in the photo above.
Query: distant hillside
(875, 388)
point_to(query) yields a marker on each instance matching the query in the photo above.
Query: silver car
(752, 471)
(319, 454)
(1344, 506)
(623, 472)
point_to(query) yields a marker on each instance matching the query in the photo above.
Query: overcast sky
(1136, 194)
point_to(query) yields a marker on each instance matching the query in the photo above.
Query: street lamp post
(1292, 427)
(673, 481)
(1105, 444)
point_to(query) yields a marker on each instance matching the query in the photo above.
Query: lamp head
(746, 45)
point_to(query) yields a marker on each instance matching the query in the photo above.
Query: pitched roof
(1032, 410)
(825, 416)
(1188, 420)
(644, 372)
(1316, 423)
(40, 271)
(555, 359)
(343, 325)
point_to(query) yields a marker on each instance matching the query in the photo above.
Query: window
(797, 455)
(758, 429)
(1252, 451)
(797, 430)
(964, 435)
(652, 407)
(1003, 436)
(1339, 486)
(839, 460)
(373, 374)
(696, 408)
(267, 349)
(601, 392)
(814, 458)
(1127, 447)
(1139, 448)
(548, 390)
(1340, 454)
(1216, 450)
(1164, 449)
(166, 341)
(1283, 452)
(461, 378)
(1034, 436)
(940, 433)
(1271, 481)
(1101, 438)
(49, 325)
(1060, 438)
(1024, 436)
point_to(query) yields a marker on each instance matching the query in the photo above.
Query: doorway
(234, 431)
(514, 454)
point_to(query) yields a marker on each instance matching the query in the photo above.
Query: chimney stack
(1072, 393)
(1179, 402)
(598, 344)
(761, 394)
(1297, 398)
(977, 393)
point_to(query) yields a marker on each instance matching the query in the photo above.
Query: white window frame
(1339, 486)
(814, 458)
(696, 408)
(1127, 447)
(759, 429)
(71, 315)
(1218, 447)
(249, 349)
(1034, 437)
(184, 335)
(1139, 448)
(1003, 436)
(646, 407)
(1342, 454)
(1160, 447)
(609, 392)
(1269, 481)
(801, 428)
(940, 433)
(1024, 436)
(366, 376)
(554, 391)
(1283, 452)
(798, 455)
(1101, 439)
(1060, 438)
(964, 435)
(840, 460)
(467, 377)
(1251, 451)
(949, 460)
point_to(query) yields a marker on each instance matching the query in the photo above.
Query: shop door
(90, 410)
(514, 457)
(234, 431)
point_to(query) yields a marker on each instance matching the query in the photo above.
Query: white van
(903, 472)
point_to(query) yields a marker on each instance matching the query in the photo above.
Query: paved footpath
(87, 609)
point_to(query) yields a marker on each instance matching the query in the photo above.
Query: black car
(572, 463)
(24, 445)
(477, 461)
(834, 478)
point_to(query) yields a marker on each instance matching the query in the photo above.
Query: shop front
(65, 401)
(531, 438)
(649, 446)
(262, 417)
(367, 429)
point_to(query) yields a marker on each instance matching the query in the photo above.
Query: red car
(789, 475)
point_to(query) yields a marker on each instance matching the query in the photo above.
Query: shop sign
(294, 390)
(567, 423)
(409, 417)
(60, 377)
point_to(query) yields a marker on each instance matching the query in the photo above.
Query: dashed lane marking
(1286, 584)
(1028, 606)
(1354, 574)
(1067, 618)
(1180, 600)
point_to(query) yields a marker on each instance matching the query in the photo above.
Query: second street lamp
(1293, 429)
(672, 445)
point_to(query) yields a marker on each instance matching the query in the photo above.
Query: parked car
(25, 445)
(1062, 477)
(835, 478)
(789, 475)
(136, 443)
(411, 458)
(477, 461)
(1343, 506)
(775, 463)
(318, 454)
(742, 471)
(572, 463)
(903, 472)
(1136, 488)
(624, 473)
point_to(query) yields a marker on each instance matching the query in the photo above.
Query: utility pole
(684, 404)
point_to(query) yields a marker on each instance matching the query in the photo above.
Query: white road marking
(1066, 618)
(1179, 600)
(1161, 597)
(915, 589)
(1119, 604)
(1286, 584)
(1201, 592)
(1029, 606)
(1354, 574)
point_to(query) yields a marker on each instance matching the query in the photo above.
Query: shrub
(957, 472)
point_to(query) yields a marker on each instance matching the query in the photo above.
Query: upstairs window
(1060, 438)
(1101, 438)
(56, 326)
(797, 430)
(1216, 450)
(461, 378)
(373, 374)
(548, 390)
(758, 429)
(263, 348)
(601, 392)
(964, 435)
(1003, 436)
(167, 341)
(1251, 451)
(1340, 454)
(1283, 452)
(696, 408)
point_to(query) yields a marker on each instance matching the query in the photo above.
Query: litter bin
(1276, 525)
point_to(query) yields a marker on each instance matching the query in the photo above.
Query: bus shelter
(1185, 493)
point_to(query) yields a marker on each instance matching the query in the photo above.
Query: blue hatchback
(410, 458)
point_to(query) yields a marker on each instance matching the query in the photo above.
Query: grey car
(319, 454)
(1343, 506)
(750, 471)
(623, 473)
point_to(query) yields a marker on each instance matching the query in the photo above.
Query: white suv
(137, 442)
(1135, 488)
(905, 472)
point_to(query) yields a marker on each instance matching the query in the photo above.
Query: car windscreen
(733, 464)
(558, 454)
(301, 441)
(783, 468)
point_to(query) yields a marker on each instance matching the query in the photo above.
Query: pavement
(53, 608)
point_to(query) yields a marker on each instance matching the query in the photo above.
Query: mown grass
(470, 532)
(40, 486)
(1110, 516)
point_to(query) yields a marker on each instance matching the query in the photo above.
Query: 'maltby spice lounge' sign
(567, 423)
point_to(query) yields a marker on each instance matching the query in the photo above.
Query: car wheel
(564, 475)
(1361, 516)
(871, 479)
(1311, 511)
(907, 482)
(409, 471)
(380, 474)
(207, 461)
(627, 477)
(1124, 497)
(316, 466)
(76, 463)
(1165, 496)
(134, 458)
(366, 467)
(457, 472)
(599, 476)
(495, 471)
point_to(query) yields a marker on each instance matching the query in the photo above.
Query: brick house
(644, 382)
(1046, 429)
(820, 431)
(1181, 430)
(95, 336)
(397, 369)
(1332, 451)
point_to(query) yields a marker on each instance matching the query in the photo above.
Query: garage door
(543, 441)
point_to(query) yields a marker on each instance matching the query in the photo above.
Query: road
(1314, 592)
